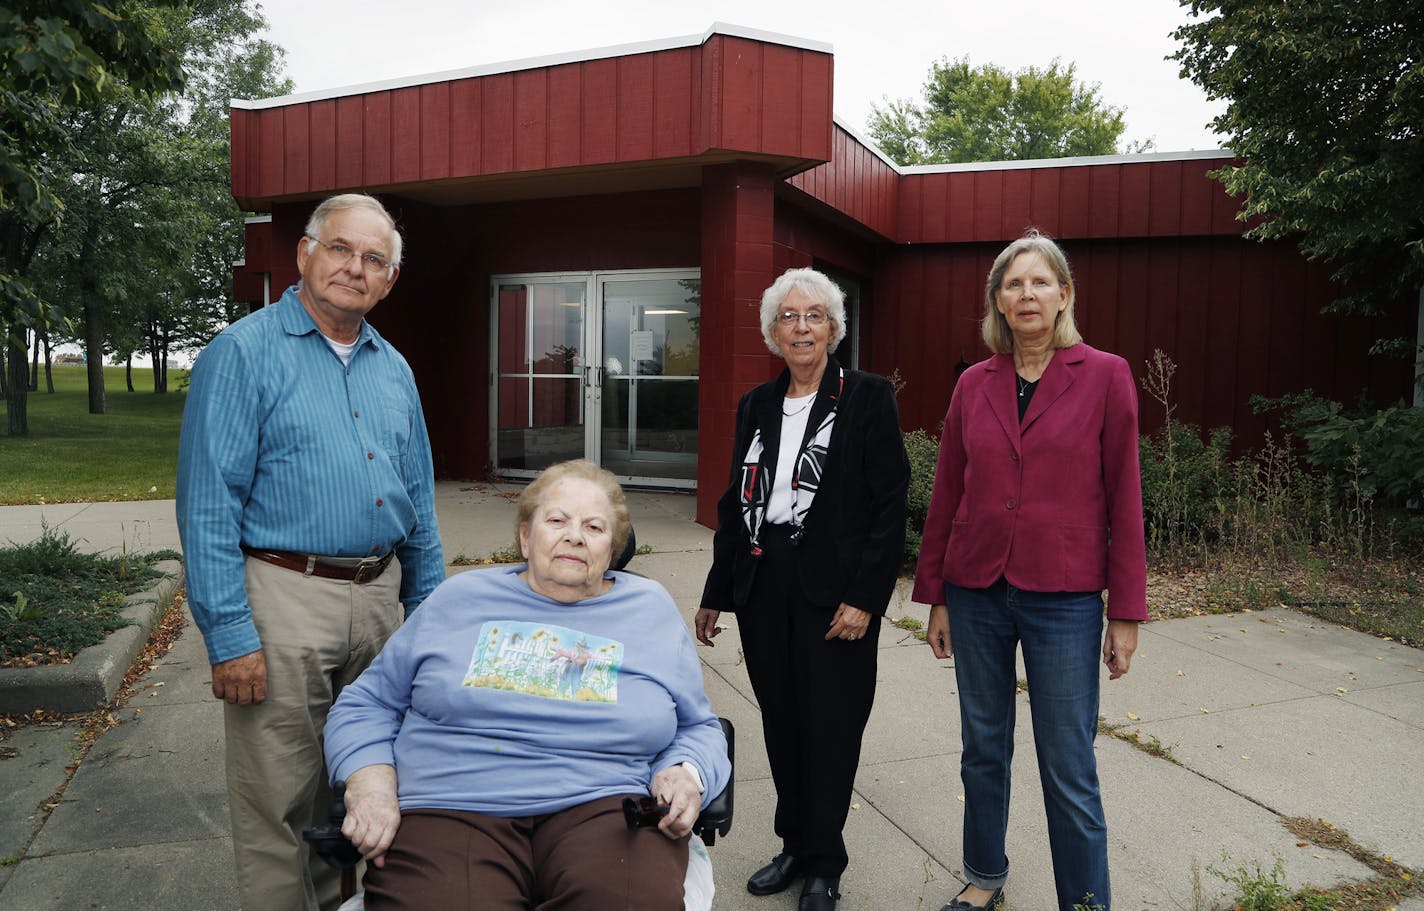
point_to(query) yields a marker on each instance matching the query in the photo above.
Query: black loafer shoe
(958, 904)
(819, 894)
(775, 876)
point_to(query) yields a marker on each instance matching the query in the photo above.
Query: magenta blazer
(1052, 504)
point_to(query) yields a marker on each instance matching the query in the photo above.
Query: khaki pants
(317, 636)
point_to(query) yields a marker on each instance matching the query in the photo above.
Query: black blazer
(853, 541)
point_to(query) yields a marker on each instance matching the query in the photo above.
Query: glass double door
(601, 366)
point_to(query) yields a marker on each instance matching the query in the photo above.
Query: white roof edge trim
(532, 63)
(1082, 161)
(256, 219)
(868, 143)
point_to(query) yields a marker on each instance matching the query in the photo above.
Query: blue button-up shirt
(284, 447)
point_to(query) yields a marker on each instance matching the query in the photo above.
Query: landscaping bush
(55, 600)
(923, 451)
(1383, 447)
(1185, 485)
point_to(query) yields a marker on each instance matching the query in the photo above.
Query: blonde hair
(815, 285)
(575, 469)
(994, 327)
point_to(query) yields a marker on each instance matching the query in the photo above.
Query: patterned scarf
(810, 467)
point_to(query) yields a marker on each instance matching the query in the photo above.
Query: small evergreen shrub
(55, 600)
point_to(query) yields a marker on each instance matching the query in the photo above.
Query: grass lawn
(70, 455)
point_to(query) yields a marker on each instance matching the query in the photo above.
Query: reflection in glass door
(597, 365)
(650, 355)
(539, 411)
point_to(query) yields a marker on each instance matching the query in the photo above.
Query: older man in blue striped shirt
(307, 514)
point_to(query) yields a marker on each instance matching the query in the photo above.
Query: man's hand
(675, 787)
(372, 811)
(241, 681)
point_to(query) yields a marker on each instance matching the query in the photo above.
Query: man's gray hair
(343, 202)
(815, 285)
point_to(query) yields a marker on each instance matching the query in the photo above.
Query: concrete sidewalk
(1268, 715)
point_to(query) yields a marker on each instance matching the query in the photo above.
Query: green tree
(986, 113)
(1325, 109)
(152, 228)
(56, 57)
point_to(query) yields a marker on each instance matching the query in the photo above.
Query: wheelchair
(338, 851)
(326, 839)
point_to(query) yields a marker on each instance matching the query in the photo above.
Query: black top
(854, 536)
(1025, 394)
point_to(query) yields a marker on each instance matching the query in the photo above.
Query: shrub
(1379, 448)
(923, 450)
(55, 601)
(1185, 485)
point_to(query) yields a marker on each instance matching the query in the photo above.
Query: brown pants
(582, 859)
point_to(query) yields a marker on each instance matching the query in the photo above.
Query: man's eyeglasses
(369, 261)
(813, 318)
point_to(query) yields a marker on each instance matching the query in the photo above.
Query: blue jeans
(1061, 634)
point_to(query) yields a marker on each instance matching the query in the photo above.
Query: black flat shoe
(775, 876)
(820, 893)
(995, 901)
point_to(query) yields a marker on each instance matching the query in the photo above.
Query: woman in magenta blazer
(1037, 508)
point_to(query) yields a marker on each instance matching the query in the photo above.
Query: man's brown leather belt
(345, 569)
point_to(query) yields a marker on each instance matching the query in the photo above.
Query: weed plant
(55, 600)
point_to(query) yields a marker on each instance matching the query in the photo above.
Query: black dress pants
(815, 696)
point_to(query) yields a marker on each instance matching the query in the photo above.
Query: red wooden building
(588, 237)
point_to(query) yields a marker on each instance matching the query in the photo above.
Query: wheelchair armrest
(716, 818)
(326, 839)
(338, 851)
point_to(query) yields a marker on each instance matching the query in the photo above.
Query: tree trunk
(17, 381)
(94, 349)
(128, 373)
(49, 367)
(4, 374)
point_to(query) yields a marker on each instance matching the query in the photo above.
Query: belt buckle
(367, 570)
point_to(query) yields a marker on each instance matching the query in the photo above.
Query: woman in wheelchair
(488, 749)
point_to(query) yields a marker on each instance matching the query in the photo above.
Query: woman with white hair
(810, 538)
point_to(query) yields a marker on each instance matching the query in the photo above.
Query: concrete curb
(92, 678)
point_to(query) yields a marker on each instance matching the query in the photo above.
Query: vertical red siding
(741, 93)
(296, 149)
(497, 130)
(564, 125)
(435, 128)
(530, 119)
(465, 121)
(635, 108)
(1165, 215)
(269, 165)
(323, 145)
(781, 110)
(672, 108)
(377, 139)
(600, 106)
(1015, 203)
(350, 159)
(405, 134)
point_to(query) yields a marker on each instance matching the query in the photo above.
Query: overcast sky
(882, 47)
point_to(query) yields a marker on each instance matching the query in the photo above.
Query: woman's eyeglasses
(812, 318)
